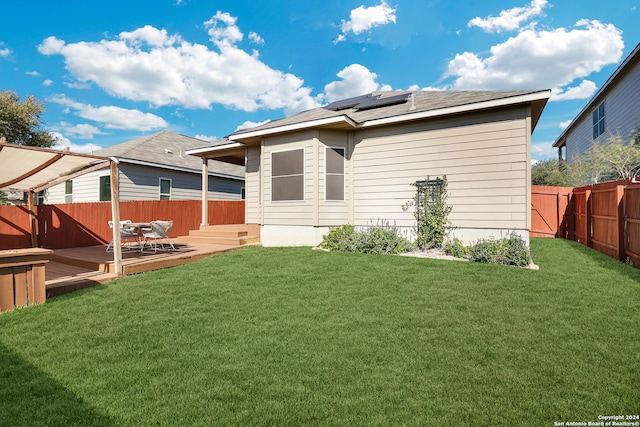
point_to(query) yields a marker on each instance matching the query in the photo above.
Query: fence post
(588, 219)
(620, 222)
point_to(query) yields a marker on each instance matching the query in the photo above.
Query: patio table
(138, 228)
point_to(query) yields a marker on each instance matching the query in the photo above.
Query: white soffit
(25, 168)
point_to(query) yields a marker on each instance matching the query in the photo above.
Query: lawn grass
(291, 336)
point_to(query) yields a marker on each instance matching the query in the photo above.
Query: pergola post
(32, 220)
(205, 191)
(115, 217)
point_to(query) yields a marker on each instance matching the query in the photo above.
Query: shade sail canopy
(34, 169)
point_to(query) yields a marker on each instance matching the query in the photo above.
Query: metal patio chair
(158, 235)
(126, 234)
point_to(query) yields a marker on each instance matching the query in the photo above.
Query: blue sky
(112, 71)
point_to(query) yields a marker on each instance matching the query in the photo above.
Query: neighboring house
(154, 167)
(613, 110)
(354, 162)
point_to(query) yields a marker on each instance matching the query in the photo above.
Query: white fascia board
(204, 150)
(521, 99)
(176, 168)
(295, 126)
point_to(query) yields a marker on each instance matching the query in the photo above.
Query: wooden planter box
(22, 277)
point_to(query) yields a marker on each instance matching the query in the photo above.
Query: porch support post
(32, 220)
(205, 191)
(115, 217)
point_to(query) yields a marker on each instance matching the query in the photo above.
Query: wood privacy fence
(85, 224)
(605, 217)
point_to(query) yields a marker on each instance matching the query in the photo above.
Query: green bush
(375, 239)
(511, 250)
(456, 248)
(338, 237)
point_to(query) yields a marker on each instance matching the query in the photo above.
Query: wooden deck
(77, 268)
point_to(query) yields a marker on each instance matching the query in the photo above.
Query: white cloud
(249, 124)
(356, 80)
(148, 64)
(47, 83)
(582, 91)
(207, 138)
(255, 37)
(113, 117)
(564, 125)
(543, 151)
(4, 51)
(509, 19)
(32, 73)
(63, 142)
(365, 18)
(82, 131)
(547, 59)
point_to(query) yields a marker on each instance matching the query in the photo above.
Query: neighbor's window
(165, 189)
(68, 191)
(105, 188)
(598, 121)
(287, 175)
(40, 197)
(334, 173)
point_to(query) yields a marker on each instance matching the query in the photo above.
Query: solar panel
(376, 102)
(367, 102)
(346, 103)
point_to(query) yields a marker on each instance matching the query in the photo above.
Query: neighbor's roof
(620, 73)
(382, 108)
(34, 169)
(168, 150)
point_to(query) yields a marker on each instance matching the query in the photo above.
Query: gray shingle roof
(422, 101)
(168, 149)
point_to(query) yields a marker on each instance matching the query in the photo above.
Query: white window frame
(304, 174)
(68, 197)
(595, 127)
(160, 193)
(100, 187)
(344, 170)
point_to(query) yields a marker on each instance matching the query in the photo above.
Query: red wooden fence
(605, 217)
(85, 224)
(550, 215)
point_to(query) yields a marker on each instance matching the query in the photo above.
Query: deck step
(230, 234)
(73, 260)
(218, 233)
(220, 240)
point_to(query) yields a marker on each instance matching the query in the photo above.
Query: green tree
(608, 161)
(549, 172)
(20, 122)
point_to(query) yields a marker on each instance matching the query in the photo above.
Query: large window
(287, 175)
(334, 173)
(68, 191)
(165, 189)
(105, 188)
(598, 121)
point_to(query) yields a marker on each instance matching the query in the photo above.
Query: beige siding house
(353, 162)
